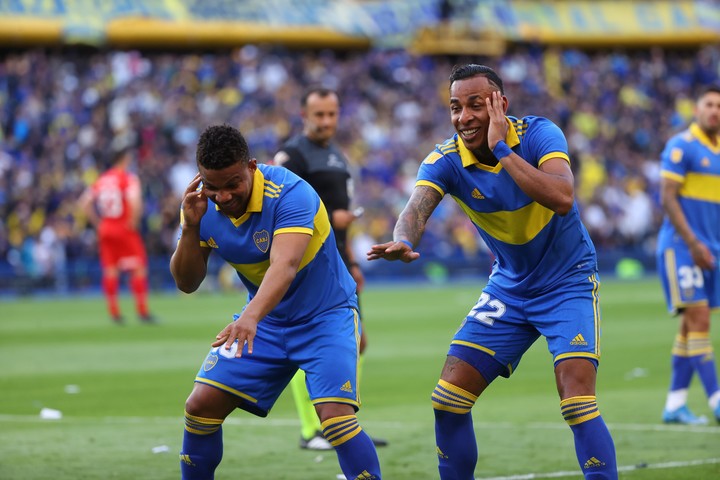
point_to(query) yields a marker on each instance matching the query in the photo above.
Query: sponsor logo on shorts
(347, 387)
(578, 340)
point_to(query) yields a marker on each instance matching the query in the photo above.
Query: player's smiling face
(468, 112)
(229, 188)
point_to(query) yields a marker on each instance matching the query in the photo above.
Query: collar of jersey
(256, 199)
(702, 137)
(467, 157)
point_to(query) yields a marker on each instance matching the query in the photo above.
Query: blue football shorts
(502, 326)
(684, 283)
(326, 347)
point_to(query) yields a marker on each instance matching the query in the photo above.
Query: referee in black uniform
(315, 157)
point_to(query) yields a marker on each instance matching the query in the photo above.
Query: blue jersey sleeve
(673, 158)
(298, 208)
(544, 140)
(435, 172)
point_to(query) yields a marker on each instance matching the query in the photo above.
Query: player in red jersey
(113, 204)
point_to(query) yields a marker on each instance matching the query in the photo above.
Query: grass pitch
(121, 391)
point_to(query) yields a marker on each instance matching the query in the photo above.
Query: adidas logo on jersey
(476, 194)
(211, 243)
(593, 462)
(578, 340)
(347, 387)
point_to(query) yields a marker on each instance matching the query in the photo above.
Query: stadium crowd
(63, 111)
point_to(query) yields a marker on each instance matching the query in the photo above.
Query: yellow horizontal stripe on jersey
(516, 227)
(701, 187)
(254, 272)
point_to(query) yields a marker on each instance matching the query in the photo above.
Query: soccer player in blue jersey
(512, 177)
(688, 251)
(271, 226)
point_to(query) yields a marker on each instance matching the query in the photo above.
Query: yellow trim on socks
(579, 409)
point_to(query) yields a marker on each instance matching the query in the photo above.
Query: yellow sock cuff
(579, 409)
(338, 430)
(451, 398)
(699, 344)
(680, 347)
(201, 425)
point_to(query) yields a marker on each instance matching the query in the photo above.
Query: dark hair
(322, 92)
(117, 154)
(461, 72)
(709, 89)
(221, 146)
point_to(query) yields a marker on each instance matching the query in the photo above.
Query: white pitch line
(290, 422)
(627, 468)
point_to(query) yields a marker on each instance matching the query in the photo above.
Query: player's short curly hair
(221, 146)
(461, 72)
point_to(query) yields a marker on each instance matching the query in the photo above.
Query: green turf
(132, 381)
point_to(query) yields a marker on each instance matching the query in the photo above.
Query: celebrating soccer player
(271, 226)
(512, 177)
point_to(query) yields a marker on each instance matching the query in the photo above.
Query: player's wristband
(501, 150)
(407, 243)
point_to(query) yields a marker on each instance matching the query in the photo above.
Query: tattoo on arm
(412, 220)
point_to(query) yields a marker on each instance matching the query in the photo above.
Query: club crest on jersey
(262, 240)
(676, 155)
(210, 361)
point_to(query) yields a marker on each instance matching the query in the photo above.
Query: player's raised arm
(188, 264)
(551, 185)
(409, 227)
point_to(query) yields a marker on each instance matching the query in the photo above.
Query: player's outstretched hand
(243, 330)
(393, 251)
(194, 204)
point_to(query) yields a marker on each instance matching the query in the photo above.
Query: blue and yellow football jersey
(535, 248)
(691, 159)
(281, 202)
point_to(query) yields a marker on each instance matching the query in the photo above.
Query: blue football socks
(454, 433)
(355, 450)
(593, 444)
(202, 448)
